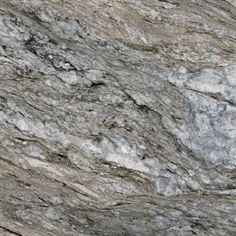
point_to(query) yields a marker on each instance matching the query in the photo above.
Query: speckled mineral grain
(117, 117)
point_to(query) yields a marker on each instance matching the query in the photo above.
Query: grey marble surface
(118, 117)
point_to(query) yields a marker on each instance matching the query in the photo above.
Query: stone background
(117, 117)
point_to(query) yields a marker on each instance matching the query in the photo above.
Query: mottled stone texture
(117, 117)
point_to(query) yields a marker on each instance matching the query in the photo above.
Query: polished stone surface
(118, 117)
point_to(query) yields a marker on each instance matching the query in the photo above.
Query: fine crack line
(10, 231)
